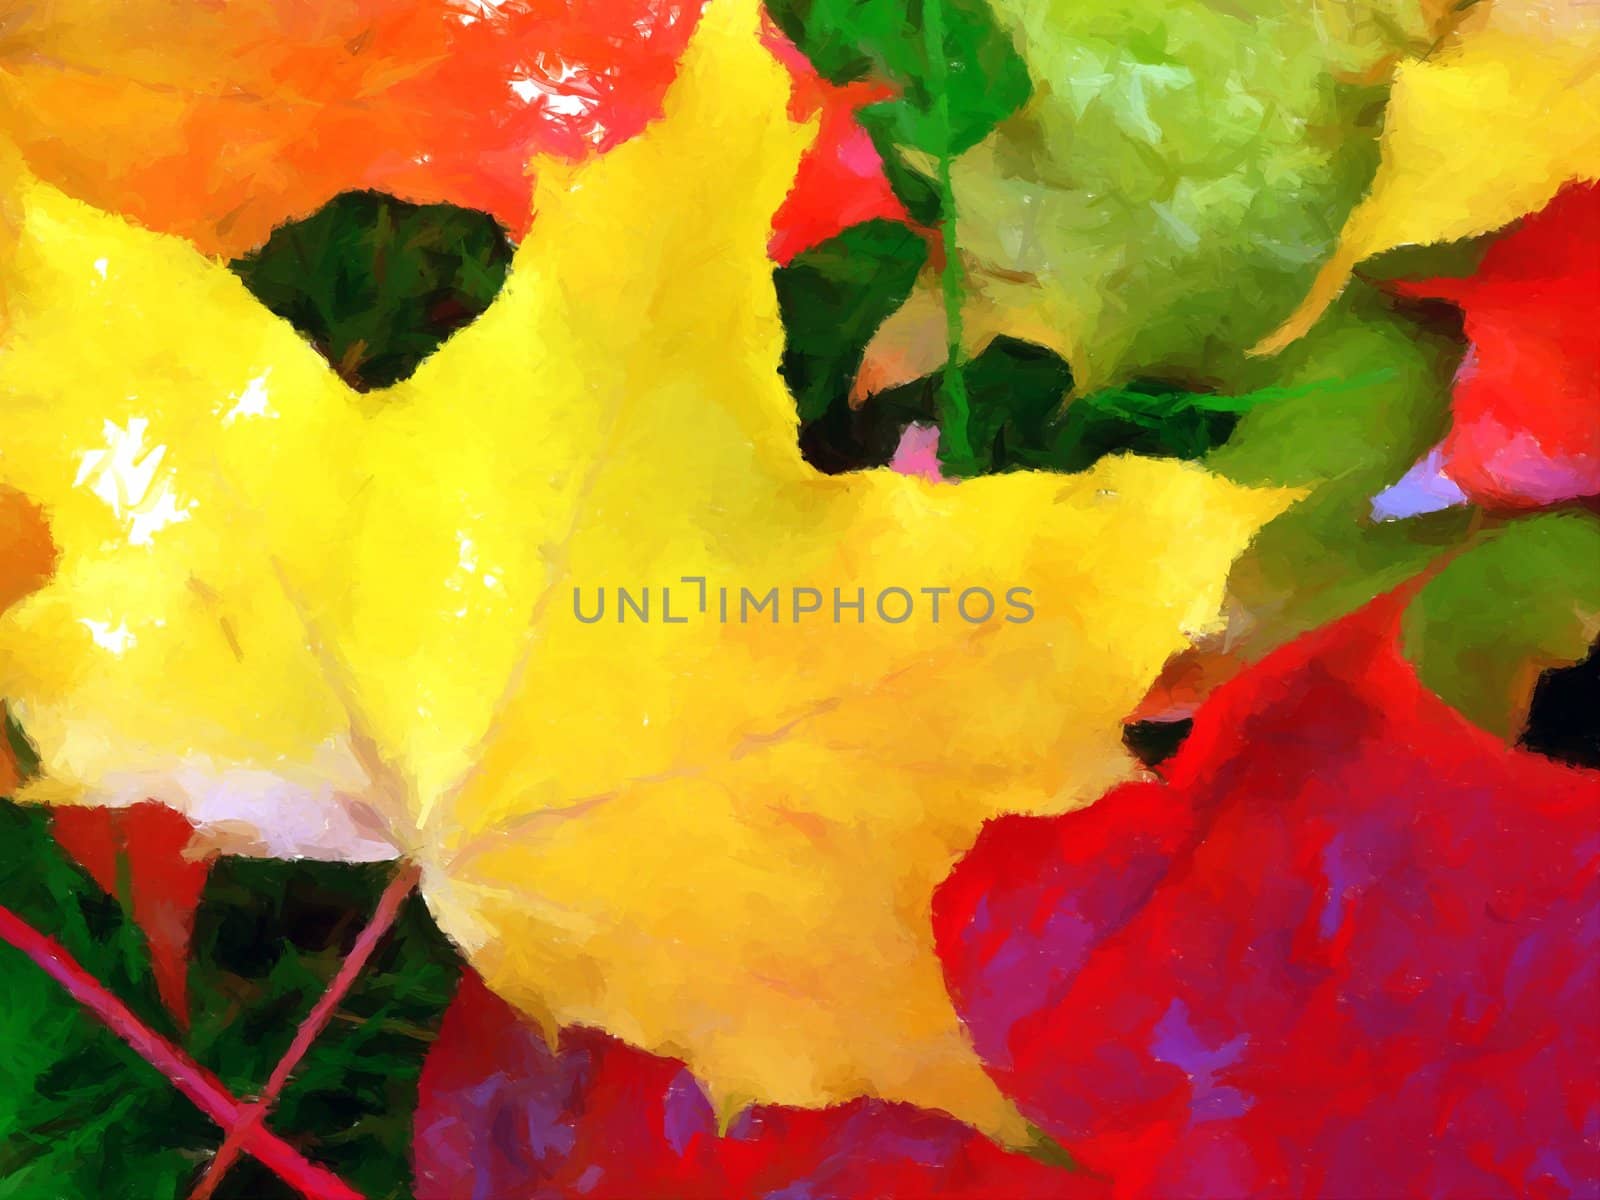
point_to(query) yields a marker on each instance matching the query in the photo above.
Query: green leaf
(375, 283)
(981, 78)
(1015, 390)
(1522, 599)
(1367, 394)
(913, 188)
(1152, 420)
(832, 298)
(1020, 420)
(269, 937)
(958, 75)
(1181, 170)
(81, 1114)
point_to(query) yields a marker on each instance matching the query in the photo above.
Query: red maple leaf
(1348, 948)
(502, 1112)
(1526, 412)
(840, 181)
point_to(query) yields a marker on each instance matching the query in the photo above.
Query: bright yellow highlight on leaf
(1486, 130)
(329, 623)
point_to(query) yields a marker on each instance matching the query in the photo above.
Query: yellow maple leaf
(1484, 130)
(346, 624)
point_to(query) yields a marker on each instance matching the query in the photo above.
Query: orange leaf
(220, 121)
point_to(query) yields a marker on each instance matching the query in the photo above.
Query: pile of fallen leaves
(343, 349)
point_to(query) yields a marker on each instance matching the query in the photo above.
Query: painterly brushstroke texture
(1345, 949)
(598, 810)
(1526, 409)
(774, 335)
(504, 1112)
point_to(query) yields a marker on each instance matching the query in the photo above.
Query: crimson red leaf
(163, 884)
(500, 1112)
(1526, 412)
(503, 1113)
(840, 181)
(1347, 949)
(868, 1150)
(586, 76)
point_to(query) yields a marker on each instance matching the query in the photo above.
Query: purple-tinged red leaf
(1347, 949)
(502, 1112)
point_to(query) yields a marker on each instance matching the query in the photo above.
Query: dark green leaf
(377, 284)
(832, 298)
(268, 938)
(984, 79)
(1523, 599)
(911, 187)
(1152, 420)
(1342, 444)
(81, 1114)
(1020, 419)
